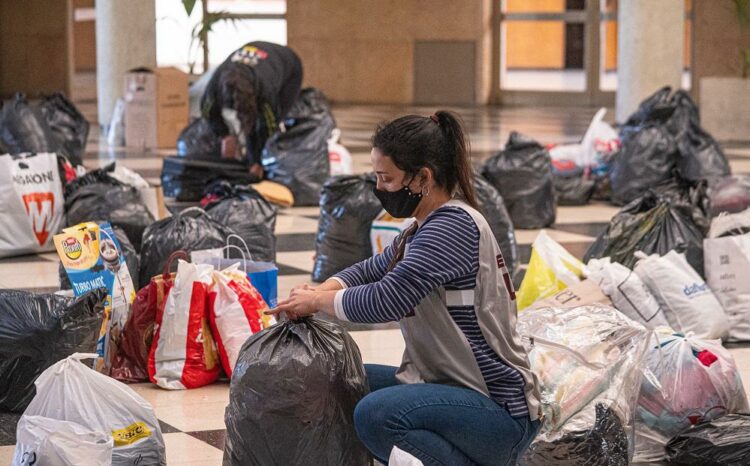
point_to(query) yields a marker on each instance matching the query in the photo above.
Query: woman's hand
(301, 302)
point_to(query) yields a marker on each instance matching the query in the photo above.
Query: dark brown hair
(437, 142)
(237, 91)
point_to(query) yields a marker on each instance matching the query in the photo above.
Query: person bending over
(464, 393)
(248, 96)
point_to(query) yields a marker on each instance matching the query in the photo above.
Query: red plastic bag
(183, 353)
(236, 313)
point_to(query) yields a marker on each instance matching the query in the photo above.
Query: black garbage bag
(244, 210)
(298, 157)
(68, 125)
(186, 179)
(604, 444)
(98, 196)
(573, 190)
(190, 230)
(656, 223)
(657, 104)
(199, 141)
(493, 208)
(36, 331)
(522, 173)
(131, 259)
(724, 441)
(292, 398)
(731, 195)
(23, 128)
(347, 208)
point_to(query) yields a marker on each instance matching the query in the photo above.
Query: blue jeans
(439, 424)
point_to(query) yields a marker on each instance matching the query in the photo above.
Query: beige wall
(363, 50)
(717, 40)
(35, 56)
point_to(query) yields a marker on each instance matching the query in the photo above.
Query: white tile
(528, 236)
(6, 454)
(740, 166)
(738, 152)
(312, 210)
(380, 346)
(160, 398)
(193, 416)
(598, 212)
(183, 449)
(29, 275)
(295, 224)
(303, 260)
(287, 282)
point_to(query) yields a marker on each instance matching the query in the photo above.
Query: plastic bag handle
(241, 240)
(77, 357)
(172, 257)
(192, 209)
(244, 259)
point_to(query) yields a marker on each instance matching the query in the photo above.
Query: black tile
(215, 438)
(167, 429)
(588, 229)
(291, 242)
(8, 422)
(288, 270)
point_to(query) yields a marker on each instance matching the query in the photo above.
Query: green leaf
(189, 5)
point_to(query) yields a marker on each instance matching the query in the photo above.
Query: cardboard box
(156, 107)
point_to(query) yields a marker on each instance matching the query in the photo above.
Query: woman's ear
(426, 177)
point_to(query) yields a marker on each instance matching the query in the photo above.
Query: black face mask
(401, 203)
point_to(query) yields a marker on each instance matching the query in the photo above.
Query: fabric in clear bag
(71, 391)
(693, 381)
(588, 363)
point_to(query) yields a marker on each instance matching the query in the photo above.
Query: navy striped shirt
(444, 252)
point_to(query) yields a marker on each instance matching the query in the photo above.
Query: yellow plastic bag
(551, 269)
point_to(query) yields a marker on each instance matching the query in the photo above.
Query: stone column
(650, 35)
(125, 39)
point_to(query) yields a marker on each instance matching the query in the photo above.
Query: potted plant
(725, 100)
(199, 34)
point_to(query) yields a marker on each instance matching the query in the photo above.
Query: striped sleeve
(445, 247)
(369, 270)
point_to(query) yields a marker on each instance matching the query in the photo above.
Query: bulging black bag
(245, 211)
(186, 179)
(493, 208)
(198, 141)
(298, 157)
(347, 208)
(36, 331)
(722, 442)
(98, 196)
(189, 230)
(522, 173)
(24, 129)
(292, 398)
(68, 125)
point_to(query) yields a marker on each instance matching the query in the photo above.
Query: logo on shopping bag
(40, 207)
(131, 434)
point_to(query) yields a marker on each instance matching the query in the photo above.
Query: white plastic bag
(71, 391)
(627, 292)
(688, 303)
(401, 458)
(551, 269)
(339, 157)
(599, 133)
(730, 224)
(727, 265)
(44, 441)
(693, 381)
(31, 203)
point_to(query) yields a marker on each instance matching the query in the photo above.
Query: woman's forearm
(329, 285)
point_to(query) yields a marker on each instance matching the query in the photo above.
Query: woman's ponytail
(459, 150)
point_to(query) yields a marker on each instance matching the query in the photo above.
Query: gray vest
(436, 349)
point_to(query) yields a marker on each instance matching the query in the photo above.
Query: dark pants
(438, 424)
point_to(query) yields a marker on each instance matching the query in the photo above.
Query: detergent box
(92, 258)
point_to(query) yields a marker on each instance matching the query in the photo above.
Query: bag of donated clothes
(587, 361)
(551, 269)
(723, 441)
(36, 331)
(292, 398)
(688, 303)
(693, 381)
(71, 391)
(41, 440)
(183, 353)
(726, 254)
(627, 292)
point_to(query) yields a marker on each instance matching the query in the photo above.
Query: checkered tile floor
(192, 421)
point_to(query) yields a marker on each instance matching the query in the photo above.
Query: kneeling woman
(464, 393)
